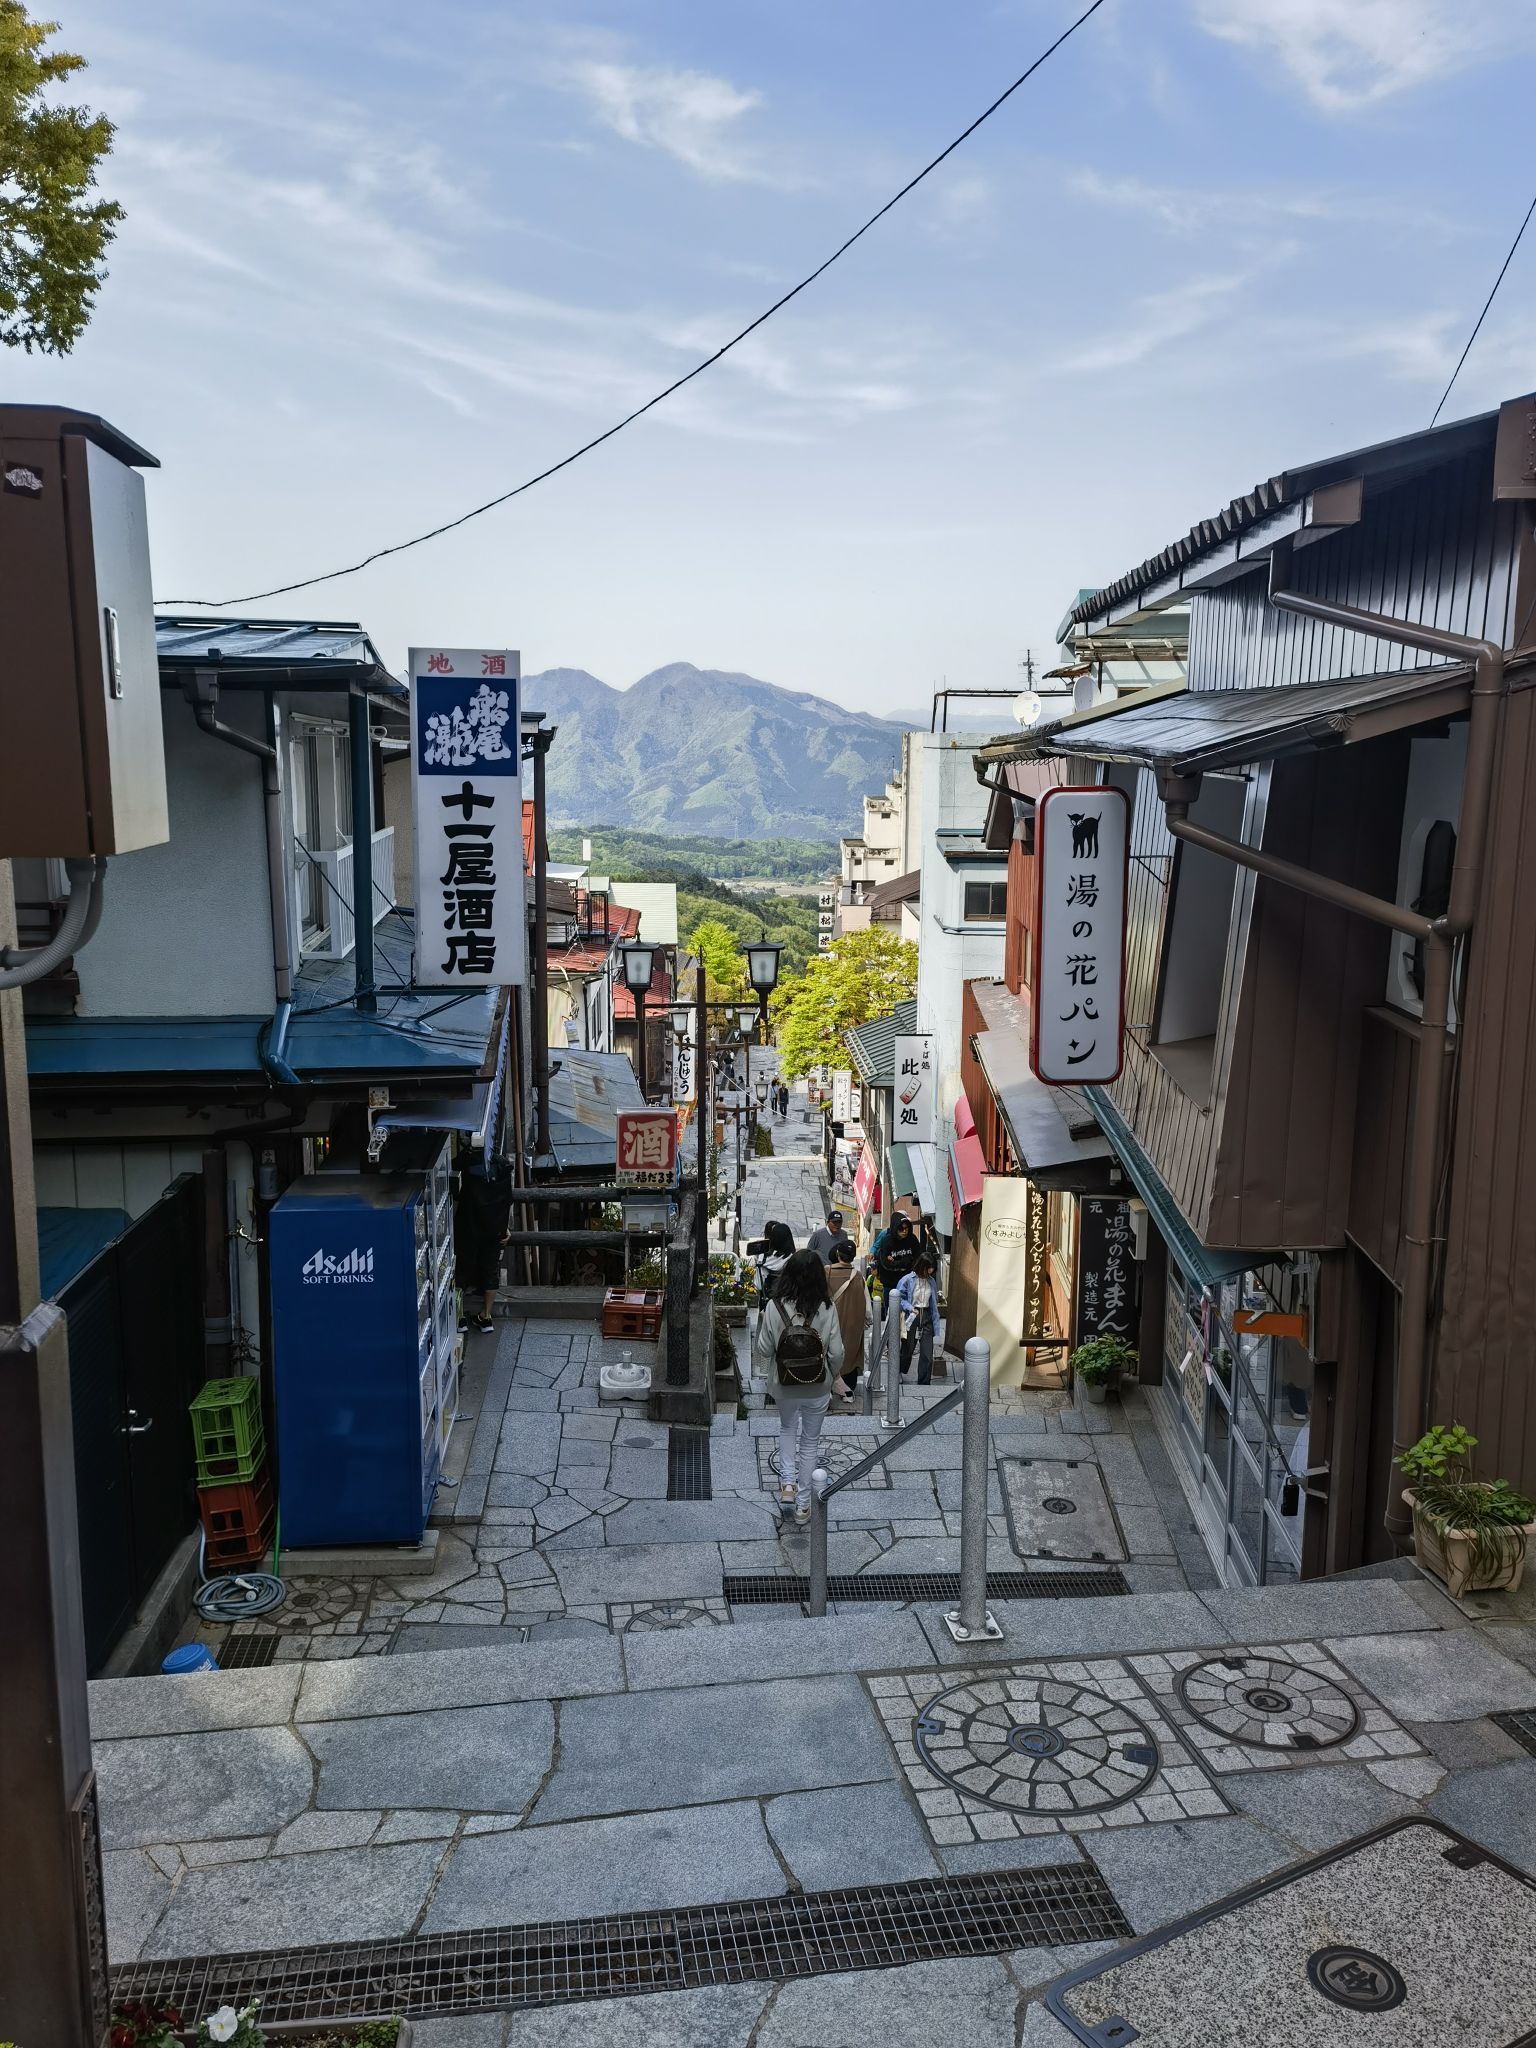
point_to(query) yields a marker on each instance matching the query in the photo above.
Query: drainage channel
(806, 1934)
(1521, 1725)
(688, 1466)
(771, 1589)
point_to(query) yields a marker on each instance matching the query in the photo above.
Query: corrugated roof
(586, 1092)
(1382, 458)
(872, 1046)
(328, 647)
(1198, 731)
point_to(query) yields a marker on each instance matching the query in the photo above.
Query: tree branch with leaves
(53, 233)
(861, 976)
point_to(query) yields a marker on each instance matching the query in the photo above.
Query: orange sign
(1254, 1322)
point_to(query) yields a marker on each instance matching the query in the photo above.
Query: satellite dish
(1027, 707)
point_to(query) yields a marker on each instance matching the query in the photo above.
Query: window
(986, 902)
(308, 881)
(1196, 941)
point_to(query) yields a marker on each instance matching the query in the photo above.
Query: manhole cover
(835, 1455)
(670, 1614)
(1269, 1701)
(1411, 1921)
(1036, 1745)
(1355, 1978)
(1056, 1505)
(1058, 1508)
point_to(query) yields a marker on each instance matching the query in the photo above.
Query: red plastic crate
(236, 1553)
(633, 1312)
(236, 1514)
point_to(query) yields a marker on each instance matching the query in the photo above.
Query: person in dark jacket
(480, 1222)
(896, 1251)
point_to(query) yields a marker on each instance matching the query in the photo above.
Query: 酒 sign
(646, 1148)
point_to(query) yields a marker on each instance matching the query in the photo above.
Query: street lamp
(763, 969)
(639, 966)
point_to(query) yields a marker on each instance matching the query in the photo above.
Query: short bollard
(972, 1622)
(873, 1333)
(892, 1340)
(817, 1588)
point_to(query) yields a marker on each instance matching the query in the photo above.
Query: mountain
(703, 750)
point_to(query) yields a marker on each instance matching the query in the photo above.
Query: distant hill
(663, 856)
(708, 751)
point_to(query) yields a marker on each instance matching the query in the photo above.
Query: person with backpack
(917, 1302)
(800, 1342)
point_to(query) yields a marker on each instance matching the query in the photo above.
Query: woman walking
(800, 1344)
(850, 1298)
(917, 1299)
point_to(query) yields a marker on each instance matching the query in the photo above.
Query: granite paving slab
(461, 1678)
(1351, 1949)
(1158, 1873)
(691, 1857)
(187, 1788)
(194, 1701)
(849, 1835)
(1496, 1807)
(794, 1648)
(661, 1522)
(1057, 1507)
(969, 2002)
(715, 2016)
(720, 1742)
(1451, 1676)
(295, 1901)
(1317, 1809)
(487, 1759)
(1338, 1607)
(135, 1893)
(462, 2030)
(1055, 1628)
(637, 1571)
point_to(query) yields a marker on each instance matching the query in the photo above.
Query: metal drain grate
(688, 1474)
(549, 1963)
(246, 1653)
(772, 1589)
(1521, 1726)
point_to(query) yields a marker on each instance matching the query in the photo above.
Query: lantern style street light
(639, 966)
(763, 969)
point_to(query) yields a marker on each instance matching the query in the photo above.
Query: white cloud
(1348, 54)
(689, 115)
(1154, 321)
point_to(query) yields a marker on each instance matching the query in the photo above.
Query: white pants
(799, 1431)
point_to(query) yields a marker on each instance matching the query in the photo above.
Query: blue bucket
(190, 1657)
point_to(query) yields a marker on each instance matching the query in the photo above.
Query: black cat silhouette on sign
(1085, 835)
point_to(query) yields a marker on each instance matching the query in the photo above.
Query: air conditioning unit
(1427, 851)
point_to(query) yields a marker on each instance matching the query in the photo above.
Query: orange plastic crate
(236, 1514)
(633, 1312)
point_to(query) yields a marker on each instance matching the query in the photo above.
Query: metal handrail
(903, 1435)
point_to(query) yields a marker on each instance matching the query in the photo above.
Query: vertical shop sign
(916, 1105)
(684, 1067)
(467, 818)
(1108, 1303)
(1078, 1012)
(1037, 1310)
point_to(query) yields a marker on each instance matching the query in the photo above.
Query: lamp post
(639, 966)
(701, 1112)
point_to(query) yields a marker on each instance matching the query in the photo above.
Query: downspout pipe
(1438, 935)
(203, 694)
(540, 1017)
(361, 751)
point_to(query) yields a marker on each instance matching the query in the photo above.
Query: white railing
(335, 868)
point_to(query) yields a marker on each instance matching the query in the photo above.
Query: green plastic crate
(227, 1429)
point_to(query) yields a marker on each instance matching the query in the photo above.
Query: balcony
(336, 940)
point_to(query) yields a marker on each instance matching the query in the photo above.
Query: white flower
(223, 2024)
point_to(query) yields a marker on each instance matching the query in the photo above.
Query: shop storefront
(1235, 1410)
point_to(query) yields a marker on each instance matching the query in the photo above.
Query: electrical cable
(1514, 245)
(490, 505)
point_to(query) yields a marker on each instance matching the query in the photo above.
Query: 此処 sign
(467, 818)
(646, 1148)
(914, 1115)
(1107, 1302)
(1078, 1026)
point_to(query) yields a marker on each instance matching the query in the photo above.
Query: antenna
(1028, 666)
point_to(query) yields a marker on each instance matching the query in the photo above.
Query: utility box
(80, 731)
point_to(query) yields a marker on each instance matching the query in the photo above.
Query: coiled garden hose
(240, 1597)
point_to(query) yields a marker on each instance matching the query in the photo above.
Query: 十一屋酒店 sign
(467, 817)
(1078, 1028)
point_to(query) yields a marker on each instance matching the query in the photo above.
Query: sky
(382, 261)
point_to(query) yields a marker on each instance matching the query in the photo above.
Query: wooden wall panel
(1389, 1051)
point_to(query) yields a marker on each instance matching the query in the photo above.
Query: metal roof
(1195, 732)
(1383, 460)
(872, 1046)
(267, 648)
(414, 1034)
(586, 1092)
(900, 890)
(1054, 1133)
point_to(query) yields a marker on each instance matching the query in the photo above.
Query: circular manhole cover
(1270, 1702)
(1040, 1746)
(1356, 1978)
(1058, 1504)
(834, 1454)
(669, 1614)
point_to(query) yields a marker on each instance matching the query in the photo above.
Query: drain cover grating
(246, 1653)
(779, 1589)
(1521, 1726)
(1358, 1932)
(688, 1475)
(800, 1935)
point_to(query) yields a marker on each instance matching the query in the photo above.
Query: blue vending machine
(358, 1325)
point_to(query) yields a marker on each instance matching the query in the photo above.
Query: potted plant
(733, 1283)
(1470, 1533)
(1100, 1364)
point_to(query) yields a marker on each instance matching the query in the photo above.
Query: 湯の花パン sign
(467, 817)
(1078, 1029)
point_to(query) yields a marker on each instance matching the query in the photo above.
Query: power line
(399, 547)
(1514, 245)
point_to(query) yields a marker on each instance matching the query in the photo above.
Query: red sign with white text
(647, 1148)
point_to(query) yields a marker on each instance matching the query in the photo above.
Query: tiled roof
(872, 1046)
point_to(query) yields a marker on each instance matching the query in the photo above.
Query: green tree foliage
(53, 236)
(667, 856)
(715, 944)
(860, 976)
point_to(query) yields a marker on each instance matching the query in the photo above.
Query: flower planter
(1449, 1556)
(297, 2033)
(1097, 1392)
(732, 1312)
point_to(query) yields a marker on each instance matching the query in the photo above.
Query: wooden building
(1324, 1104)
